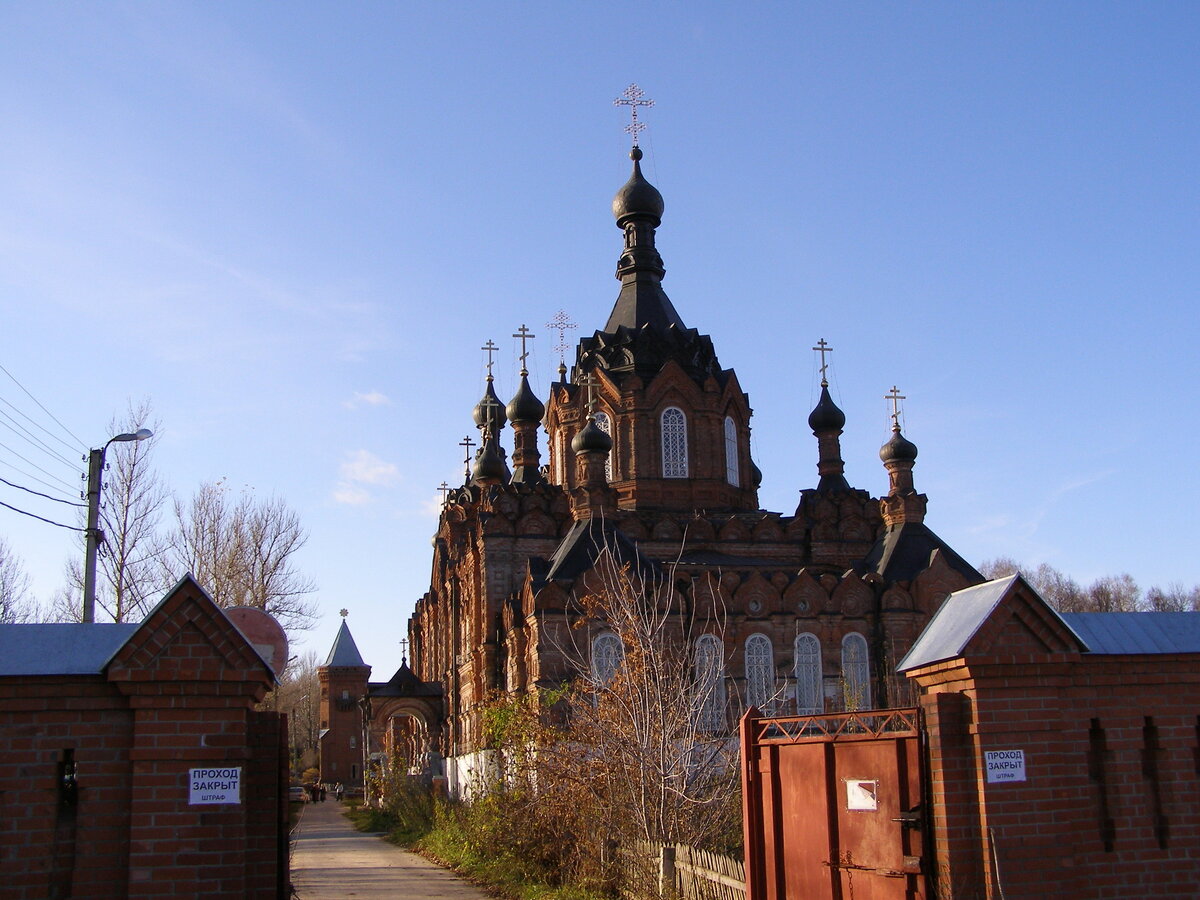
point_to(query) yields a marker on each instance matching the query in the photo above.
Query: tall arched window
(810, 698)
(731, 453)
(604, 423)
(709, 681)
(607, 654)
(674, 443)
(856, 671)
(760, 672)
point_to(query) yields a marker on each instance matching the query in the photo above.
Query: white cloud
(359, 470)
(371, 398)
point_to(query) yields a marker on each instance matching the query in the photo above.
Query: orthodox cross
(561, 323)
(343, 612)
(403, 650)
(895, 397)
(524, 335)
(633, 98)
(467, 443)
(823, 348)
(445, 491)
(490, 348)
(588, 381)
(488, 404)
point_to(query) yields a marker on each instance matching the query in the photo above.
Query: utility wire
(37, 425)
(81, 444)
(21, 431)
(41, 481)
(35, 465)
(39, 494)
(40, 519)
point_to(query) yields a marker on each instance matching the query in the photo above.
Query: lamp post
(94, 534)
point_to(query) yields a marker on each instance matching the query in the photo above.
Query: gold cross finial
(633, 97)
(467, 444)
(524, 335)
(343, 612)
(490, 348)
(561, 323)
(823, 348)
(895, 397)
(588, 381)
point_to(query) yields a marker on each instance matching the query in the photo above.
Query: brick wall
(178, 694)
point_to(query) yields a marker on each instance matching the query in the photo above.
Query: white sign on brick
(215, 785)
(1004, 765)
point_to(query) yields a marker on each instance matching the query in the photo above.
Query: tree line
(240, 547)
(1111, 593)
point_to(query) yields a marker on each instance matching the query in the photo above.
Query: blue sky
(292, 225)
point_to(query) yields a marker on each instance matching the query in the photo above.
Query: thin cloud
(360, 471)
(371, 398)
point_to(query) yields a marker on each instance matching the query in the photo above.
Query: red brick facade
(1110, 807)
(179, 693)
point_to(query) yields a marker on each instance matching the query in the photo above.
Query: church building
(647, 441)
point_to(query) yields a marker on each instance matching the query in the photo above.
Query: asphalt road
(332, 861)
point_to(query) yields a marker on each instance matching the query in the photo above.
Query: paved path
(333, 861)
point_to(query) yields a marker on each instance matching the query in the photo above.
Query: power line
(41, 481)
(29, 437)
(35, 465)
(37, 425)
(39, 494)
(81, 444)
(40, 519)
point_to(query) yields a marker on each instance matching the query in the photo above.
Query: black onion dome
(489, 464)
(591, 439)
(489, 411)
(826, 416)
(898, 448)
(525, 406)
(637, 197)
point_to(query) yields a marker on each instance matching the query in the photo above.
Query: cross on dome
(633, 97)
(823, 348)
(524, 335)
(895, 397)
(561, 323)
(491, 348)
(466, 443)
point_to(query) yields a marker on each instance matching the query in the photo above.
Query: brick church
(648, 457)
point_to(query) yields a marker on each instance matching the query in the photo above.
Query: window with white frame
(674, 443)
(604, 423)
(856, 671)
(810, 698)
(607, 654)
(760, 672)
(709, 681)
(731, 453)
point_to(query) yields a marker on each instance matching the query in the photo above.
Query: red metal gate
(833, 806)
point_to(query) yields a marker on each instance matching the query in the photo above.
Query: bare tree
(16, 602)
(131, 576)
(242, 552)
(1173, 598)
(1112, 593)
(299, 695)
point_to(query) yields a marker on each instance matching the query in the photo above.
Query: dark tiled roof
(904, 551)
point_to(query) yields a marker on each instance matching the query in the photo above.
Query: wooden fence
(686, 873)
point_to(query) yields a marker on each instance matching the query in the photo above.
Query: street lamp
(94, 534)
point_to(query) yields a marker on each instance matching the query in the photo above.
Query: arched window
(731, 453)
(810, 698)
(856, 671)
(760, 672)
(674, 443)
(607, 654)
(604, 423)
(709, 680)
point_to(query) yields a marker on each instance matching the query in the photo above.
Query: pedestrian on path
(331, 861)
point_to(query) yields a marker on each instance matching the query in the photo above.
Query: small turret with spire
(525, 412)
(902, 503)
(826, 422)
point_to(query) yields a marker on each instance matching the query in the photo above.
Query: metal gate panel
(833, 806)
